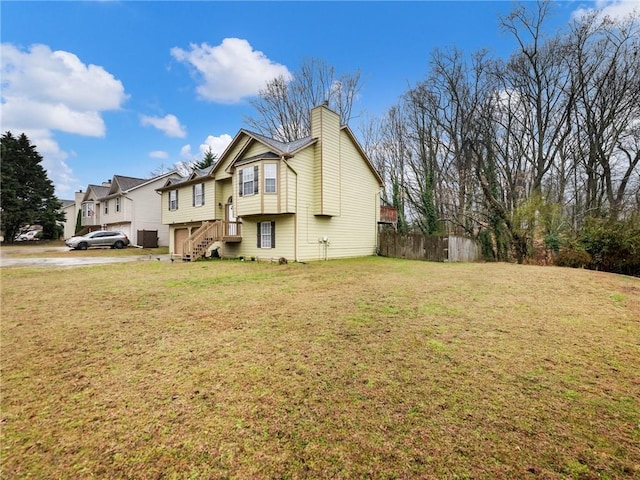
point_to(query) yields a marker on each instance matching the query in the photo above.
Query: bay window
(248, 181)
(270, 176)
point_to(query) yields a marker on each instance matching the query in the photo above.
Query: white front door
(232, 227)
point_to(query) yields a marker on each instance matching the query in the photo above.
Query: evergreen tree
(27, 195)
(208, 160)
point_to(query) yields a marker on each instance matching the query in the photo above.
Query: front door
(232, 227)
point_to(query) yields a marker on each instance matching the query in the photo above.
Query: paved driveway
(8, 259)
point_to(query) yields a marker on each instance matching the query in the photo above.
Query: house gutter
(295, 223)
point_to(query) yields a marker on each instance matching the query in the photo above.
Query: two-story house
(128, 204)
(310, 199)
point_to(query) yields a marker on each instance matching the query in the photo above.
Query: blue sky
(123, 87)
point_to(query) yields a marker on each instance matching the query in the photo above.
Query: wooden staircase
(206, 235)
(197, 244)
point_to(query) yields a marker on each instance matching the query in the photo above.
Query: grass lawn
(363, 368)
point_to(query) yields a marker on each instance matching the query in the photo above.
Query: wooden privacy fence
(415, 246)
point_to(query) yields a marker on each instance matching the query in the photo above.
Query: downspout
(295, 223)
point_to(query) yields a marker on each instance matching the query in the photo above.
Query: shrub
(573, 257)
(614, 245)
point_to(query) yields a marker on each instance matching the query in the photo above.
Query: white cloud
(216, 144)
(45, 91)
(159, 154)
(54, 90)
(185, 152)
(230, 71)
(169, 125)
(615, 9)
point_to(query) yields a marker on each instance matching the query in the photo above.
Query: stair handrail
(203, 231)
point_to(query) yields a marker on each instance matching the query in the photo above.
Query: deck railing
(209, 232)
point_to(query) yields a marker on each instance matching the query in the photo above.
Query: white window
(87, 209)
(198, 194)
(270, 175)
(248, 181)
(117, 204)
(173, 200)
(266, 235)
(106, 207)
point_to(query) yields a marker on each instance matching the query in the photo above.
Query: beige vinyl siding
(247, 204)
(186, 212)
(256, 148)
(326, 126)
(353, 232)
(270, 201)
(287, 188)
(285, 238)
(307, 233)
(224, 190)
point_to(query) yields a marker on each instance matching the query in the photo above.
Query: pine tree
(27, 195)
(208, 160)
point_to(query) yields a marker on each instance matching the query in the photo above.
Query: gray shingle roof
(262, 156)
(127, 183)
(99, 190)
(282, 147)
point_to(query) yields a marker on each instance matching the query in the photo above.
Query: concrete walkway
(7, 258)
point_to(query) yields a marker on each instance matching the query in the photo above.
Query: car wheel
(82, 246)
(119, 244)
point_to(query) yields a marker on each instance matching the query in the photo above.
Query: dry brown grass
(364, 368)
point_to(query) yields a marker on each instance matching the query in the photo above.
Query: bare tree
(282, 107)
(385, 141)
(605, 73)
(538, 76)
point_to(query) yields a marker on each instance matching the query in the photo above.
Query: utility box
(148, 238)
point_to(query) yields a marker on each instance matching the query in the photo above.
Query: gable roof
(98, 192)
(276, 148)
(122, 183)
(196, 176)
(283, 148)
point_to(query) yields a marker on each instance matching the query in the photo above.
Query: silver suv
(101, 238)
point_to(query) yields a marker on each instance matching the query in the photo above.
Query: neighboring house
(314, 198)
(127, 204)
(71, 208)
(90, 206)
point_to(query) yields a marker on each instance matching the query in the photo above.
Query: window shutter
(168, 197)
(193, 195)
(255, 179)
(176, 199)
(273, 234)
(240, 182)
(202, 186)
(258, 228)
